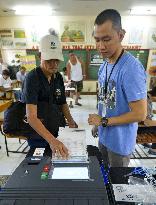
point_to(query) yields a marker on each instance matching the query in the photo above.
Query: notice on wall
(96, 59)
(13, 39)
(6, 38)
(152, 38)
(29, 62)
(152, 63)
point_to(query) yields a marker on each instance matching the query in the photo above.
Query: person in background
(20, 75)
(67, 85)
(6, 85)
(75, 72)
(149, 122)
(44, 86)
(5, 82)
(3, 66)
(64, 75)
(122, 94)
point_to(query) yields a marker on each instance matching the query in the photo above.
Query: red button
(46, 168)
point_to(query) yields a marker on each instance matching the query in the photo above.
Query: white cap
(50, 48)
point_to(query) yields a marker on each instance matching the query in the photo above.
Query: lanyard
(107, 80)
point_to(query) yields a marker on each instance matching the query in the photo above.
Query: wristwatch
(104, 121)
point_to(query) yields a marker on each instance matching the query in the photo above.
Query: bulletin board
(151, 71)
(82, 54)
(29, 62)
(141, 55)
(91, 69)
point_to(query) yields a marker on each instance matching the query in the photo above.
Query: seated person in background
(20, 75)
(149, 123)
(3, 66)
(64, 75)
(5, 82)
(67, 84)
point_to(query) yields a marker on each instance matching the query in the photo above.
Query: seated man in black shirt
(44, 95)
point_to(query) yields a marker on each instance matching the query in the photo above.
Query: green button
(44, 175)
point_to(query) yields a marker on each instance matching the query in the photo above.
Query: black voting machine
(29, 186)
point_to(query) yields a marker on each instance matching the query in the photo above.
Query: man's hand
(149, 123)
(94, 119)
(59, 148)
(72, 124)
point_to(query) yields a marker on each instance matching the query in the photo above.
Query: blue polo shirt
(127, 84)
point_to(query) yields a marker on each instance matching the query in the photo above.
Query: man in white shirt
(5, 82)
(75, 74)
(3, 66)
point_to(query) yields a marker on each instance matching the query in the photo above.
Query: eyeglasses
(52, 61)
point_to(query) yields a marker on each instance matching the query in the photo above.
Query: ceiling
(76, 7)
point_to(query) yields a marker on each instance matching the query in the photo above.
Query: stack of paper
(75, 140)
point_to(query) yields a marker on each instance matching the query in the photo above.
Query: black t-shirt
(47, 96)
(36, 88)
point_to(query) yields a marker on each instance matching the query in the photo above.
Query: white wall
(42, 24)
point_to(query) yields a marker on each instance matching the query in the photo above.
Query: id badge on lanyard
(104, 110)
(104, 107)
(102, 101)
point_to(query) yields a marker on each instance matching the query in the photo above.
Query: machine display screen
(70, 173)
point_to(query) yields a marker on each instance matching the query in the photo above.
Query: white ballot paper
(75, 140)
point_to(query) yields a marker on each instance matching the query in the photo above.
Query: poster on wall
(10, 55)
(19, 38)
(152, 38)
(151, 72)
(13, 39)
(152, 63)
(6, 38)
(20, 43)
(96, 59)
(73, 32)
(136, 35)
(28, 61)
(19, 33)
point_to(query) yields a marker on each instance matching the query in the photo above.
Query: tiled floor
(80, 114)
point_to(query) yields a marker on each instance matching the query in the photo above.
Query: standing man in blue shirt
(122, 94)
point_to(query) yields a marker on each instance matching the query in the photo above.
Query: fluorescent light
(143, 11)
(33, 10)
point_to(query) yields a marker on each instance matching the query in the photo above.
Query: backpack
(15, 121)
